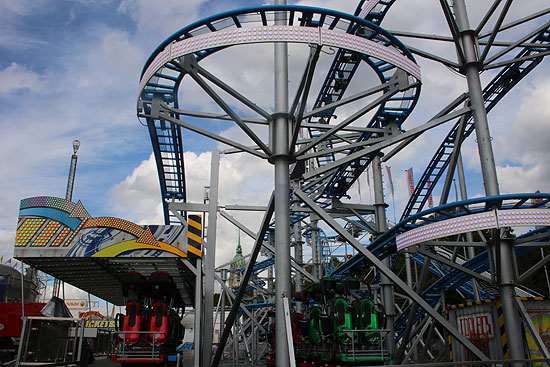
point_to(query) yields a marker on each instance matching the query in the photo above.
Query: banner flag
(388, 169)
(411, 181)
(430, 199)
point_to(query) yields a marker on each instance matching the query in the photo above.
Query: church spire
(239, 260)
(239, 248)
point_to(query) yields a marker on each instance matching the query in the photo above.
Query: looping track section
(354, 40)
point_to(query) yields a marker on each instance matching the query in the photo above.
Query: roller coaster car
(299, 328)
(350, 284)
(159, 324)
(131, 323)
(341, 325)
(134, 282)
(320, 326)
(147, 335)
(302, 296)
(316, 292)
(162, 285)
(342, 316)
(164, 289)
(365, 318)
(328, 287)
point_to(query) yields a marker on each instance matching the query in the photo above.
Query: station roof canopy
(111, 258)
(103, 277)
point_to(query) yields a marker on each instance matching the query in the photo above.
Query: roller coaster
(332, 157)
(353, 307)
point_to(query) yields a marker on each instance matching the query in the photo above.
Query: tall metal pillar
(471, 68)
(197, 343)
(315, 251)
(58, 284)
(279, 139)
(469, 236)
(72, 171)
(387, 287)
(298, 256)
(209, 261)
(222, 304)
(270, 270)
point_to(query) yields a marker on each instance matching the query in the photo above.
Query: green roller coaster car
(342, 316)
(366, 320)
(341, 326)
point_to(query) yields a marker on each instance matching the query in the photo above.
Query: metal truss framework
(337, 154)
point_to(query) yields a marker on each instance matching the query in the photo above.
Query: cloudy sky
(69, 69)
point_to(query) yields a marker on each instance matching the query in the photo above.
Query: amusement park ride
(326, 309)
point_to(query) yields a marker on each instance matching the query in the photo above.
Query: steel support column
(315, 251)
(209, 260)
(469, 236)
(299, 257)
(280, 140)
(197, 343)
(507, 280)
(381, 227)
(471, 68)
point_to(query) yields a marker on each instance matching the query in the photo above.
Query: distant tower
(239, 262)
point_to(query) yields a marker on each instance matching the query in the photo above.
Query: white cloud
(531, 125)
(21, 7)
(109, 64)
(522, 147)
(243, 180)
(7, 241)
(137, 198)
(17, 77)
(160, 17)
(529, 178)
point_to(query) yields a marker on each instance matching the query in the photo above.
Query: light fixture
(291, 34)
(76, 145)
(474, 222)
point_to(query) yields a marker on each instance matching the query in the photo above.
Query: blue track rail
(167, 142)
(449, 279)
(164, 84)
(455, 279)
(384, 245)
(324, 249)
(395, 109)
(501, 84)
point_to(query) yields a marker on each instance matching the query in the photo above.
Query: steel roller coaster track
(493, 93)
(164, 84)
(163, 73)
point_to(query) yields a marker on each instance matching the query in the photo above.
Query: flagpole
(368, 184)
(393, 204)
(388, 170)
(359, 189)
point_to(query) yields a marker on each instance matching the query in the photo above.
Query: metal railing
(139, 351)
(50, 341)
